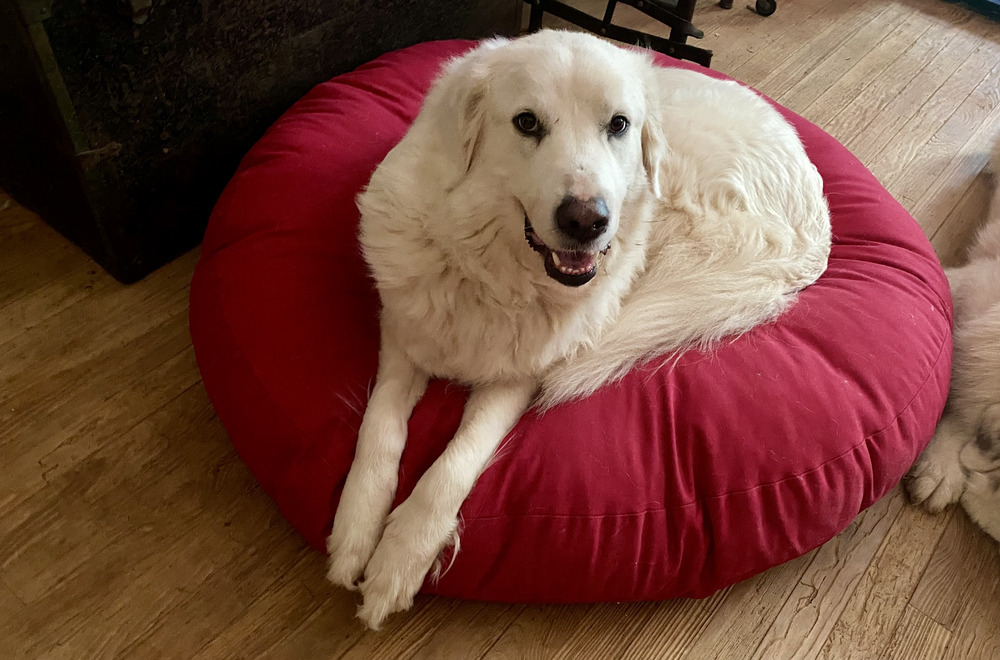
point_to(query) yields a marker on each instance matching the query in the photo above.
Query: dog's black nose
(582, 220)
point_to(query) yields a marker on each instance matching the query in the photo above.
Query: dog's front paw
(355, 534)
(937, 478)
(934, 483)
(349, 554)
(412, 541)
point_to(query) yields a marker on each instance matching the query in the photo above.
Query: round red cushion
(675, 482)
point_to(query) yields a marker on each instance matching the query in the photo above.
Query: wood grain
(871, 615)
(538, 632)
(917, 636)
(963, 561)
(747, 613)
(821, 595)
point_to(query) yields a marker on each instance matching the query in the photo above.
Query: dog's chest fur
(485, 315)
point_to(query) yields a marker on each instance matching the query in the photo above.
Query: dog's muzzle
(568, 267)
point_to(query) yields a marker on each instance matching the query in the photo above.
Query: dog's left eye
(528, 124)
(618, 125)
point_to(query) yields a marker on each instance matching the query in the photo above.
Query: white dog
(962, 462)
(560, 209)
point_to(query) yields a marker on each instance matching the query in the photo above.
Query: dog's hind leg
(420, 527)
(371, 483)
(981, 501)
(981, 459)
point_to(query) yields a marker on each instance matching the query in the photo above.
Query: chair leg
(535, 18)
(674, 46)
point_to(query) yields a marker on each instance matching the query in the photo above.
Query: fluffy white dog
(962, 461)
(560, 209)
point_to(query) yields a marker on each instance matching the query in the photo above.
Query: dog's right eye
(528, 124)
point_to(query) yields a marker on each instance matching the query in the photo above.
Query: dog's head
(561, 124)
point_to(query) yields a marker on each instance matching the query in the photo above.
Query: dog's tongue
(574, 263)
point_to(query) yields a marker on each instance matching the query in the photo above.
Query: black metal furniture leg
(673, 13)
(535, 18)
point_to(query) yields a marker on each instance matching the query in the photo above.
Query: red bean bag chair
(674, 482)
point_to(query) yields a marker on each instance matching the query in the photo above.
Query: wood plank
(935, 204)
(470, 632)
(31, 252)
(878, 78)
(538, 632)
(673, 628)
(908, 155)
(977, 629)
(13, 617)
(881, 121)
(34, 303)
(591, 637)
(919, 174)
(917, 636)
(869, 619)
(977, 635)
(808, 71)
(82, 510)
(57, 437)
(80, 335)
(850, 69)
(320, 636)
(961, 562)
(748, 611)
(403, 635)
(100, 545)
(277, 611)
(153, 580)
(14, 218)
(194, 615)
(805, 620)
(958, 231)
(768, 48)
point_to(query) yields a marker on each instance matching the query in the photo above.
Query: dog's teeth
(555, 258)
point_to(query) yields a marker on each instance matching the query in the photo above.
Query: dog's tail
(987, 243)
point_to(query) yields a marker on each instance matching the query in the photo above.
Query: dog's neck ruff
(568, 267)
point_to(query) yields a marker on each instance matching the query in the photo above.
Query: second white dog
(560, 210)
(962, 461)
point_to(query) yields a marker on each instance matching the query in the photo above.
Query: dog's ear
(457, 102)
(654, 145)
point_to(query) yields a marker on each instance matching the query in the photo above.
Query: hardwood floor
(129, 527)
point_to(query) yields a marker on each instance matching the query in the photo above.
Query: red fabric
(673, 483)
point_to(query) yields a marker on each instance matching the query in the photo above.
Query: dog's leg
(371, 482)
(981, 500)
(981, 459)
(420, 527)
(937, 479)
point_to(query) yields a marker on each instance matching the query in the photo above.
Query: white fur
(716, 220)
(962, 462)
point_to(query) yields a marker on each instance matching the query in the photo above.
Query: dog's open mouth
(569, 267)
